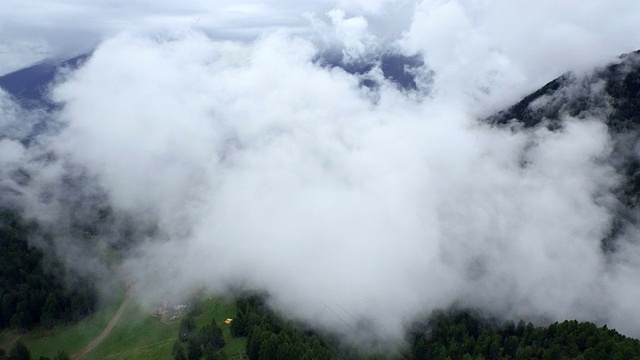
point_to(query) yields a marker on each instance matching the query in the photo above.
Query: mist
(262, 169)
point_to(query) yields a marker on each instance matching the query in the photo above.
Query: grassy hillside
(69, 338)
(141, 336)
(138, 335)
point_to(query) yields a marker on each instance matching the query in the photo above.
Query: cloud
(16, 54)
(503, 47)
(263, 168)
(326, 200)
(77, 26)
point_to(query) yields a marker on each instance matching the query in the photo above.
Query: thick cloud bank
(356, 206)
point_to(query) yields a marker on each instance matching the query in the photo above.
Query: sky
(349, 205)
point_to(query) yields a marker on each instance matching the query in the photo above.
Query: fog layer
(353, 205)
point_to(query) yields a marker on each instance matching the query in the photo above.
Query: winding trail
(107, 330)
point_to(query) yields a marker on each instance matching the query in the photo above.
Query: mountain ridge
(611, 93)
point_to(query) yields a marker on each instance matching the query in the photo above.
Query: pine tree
(187, 327)
(178, 351)
(193, 349)
(19, 352)
(269, 348)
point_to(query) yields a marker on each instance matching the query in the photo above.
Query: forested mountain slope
(30, 292)
(610, 94)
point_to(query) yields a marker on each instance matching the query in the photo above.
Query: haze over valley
(363, 163)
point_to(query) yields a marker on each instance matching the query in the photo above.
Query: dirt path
(107, 330)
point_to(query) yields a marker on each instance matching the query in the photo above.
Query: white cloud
(284, 174)
(15, 55)
(263, 167)
(505, 47)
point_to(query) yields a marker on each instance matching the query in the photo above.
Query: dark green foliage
(456, 335)
(28, 294)
(19, 352)
(194, 351)
(206, 341)
(269, 347)
(248, 307)
(178, 351)
(187, 328)
(463, 335)
(270, 337)
(211, 353)
(195, 306)
(3, 355)
(210, 336)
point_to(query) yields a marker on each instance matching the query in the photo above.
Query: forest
(31, 294)
(467, 335)
(455, 334)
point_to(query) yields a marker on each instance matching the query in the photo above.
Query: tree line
(20, 352)
(29, 293)
(451, 335)
(269, 336)
(193, 343)
(465, 335)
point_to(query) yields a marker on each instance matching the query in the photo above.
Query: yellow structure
(228, 321)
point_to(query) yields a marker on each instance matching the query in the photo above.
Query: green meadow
(137, 335)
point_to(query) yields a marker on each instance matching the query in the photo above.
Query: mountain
(30, 85)
(611, 93)
(397, 68)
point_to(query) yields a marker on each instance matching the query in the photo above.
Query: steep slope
(30, 85)
(611, 94)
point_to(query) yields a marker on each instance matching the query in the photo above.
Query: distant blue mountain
(29, 86)
(396, 68)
